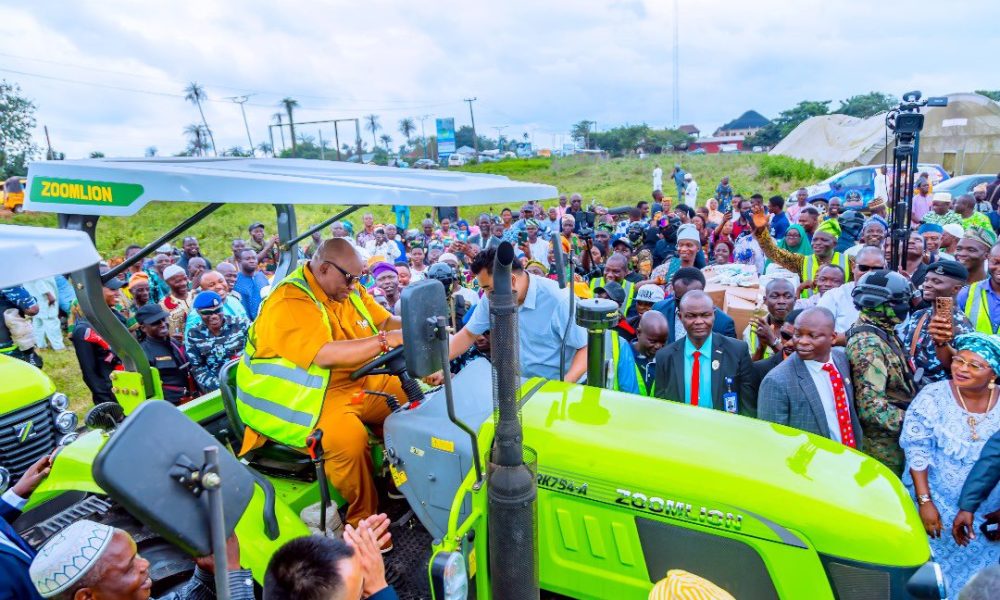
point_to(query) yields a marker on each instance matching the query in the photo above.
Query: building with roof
(718, 143)
(690, 130)
(746, 125)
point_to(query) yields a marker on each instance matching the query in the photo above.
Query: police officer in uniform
(164, 353)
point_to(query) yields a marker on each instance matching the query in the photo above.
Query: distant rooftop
(751, 119)
(689, 129)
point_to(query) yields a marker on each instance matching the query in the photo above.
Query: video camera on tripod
(905, 121)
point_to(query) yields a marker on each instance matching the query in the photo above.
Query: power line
(475, 138)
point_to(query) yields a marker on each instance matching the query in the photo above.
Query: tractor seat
(272, 458)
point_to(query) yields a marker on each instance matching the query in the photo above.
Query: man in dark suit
(984, 476)
(811, 390)
(705, 368)
(687, 279)
(15, 553)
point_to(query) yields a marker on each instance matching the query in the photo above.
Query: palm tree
(386, 139)
(196, 141)
(407, 127)
(151, 151)
(371, 124)
(290, 105)
(195, 93)
(277, 117)
(265, 148)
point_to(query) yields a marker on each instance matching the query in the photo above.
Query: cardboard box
(740, 310)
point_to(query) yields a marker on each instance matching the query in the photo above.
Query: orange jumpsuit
(289, 326)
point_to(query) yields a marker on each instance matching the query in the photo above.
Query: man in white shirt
(657, 179)
(881, 184)
(690, 190)
(811, 389)
(839, 301)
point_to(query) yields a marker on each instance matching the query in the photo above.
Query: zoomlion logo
(363, 323)
(23, 431)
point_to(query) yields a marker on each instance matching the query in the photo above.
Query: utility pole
(677, 67)
(357, 132)
(475, 138)
(241, 100)
(336, 139)
(322, 155)
(423, 134)
(500, 139)
(48, 143)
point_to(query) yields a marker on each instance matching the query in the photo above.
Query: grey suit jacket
(788, 396)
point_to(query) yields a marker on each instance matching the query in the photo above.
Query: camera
(586, 234)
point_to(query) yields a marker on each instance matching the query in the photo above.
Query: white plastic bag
(21, 330)
(334, 525)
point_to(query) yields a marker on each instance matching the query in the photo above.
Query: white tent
(120, 187)
(31, 253)
(963, 137)
(835, 140)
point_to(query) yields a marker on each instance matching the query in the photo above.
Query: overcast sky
(109, 75)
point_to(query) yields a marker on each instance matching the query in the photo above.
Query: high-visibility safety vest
(977, 308)
(274, 396)
(753, 340)
(811, 267)
(628, 286)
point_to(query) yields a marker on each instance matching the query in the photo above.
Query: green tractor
(34, 417)
(569, 489)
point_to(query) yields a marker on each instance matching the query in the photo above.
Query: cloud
(533, 66)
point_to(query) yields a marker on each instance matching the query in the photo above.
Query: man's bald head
(337, 266)
(652, 332)
(695, 296)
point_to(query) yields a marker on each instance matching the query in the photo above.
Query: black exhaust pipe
(511, 483)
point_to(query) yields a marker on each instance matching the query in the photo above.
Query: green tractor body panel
(23, 384)
(616, 471)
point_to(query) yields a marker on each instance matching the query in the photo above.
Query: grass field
(613, 182)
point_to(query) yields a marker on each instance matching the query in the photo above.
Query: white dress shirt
(839, 302)
(821, 379)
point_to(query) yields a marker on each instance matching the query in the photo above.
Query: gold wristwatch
(923, 499)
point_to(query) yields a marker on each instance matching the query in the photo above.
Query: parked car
(424, 163)
(861, 180)
(697, 151)
(963, 184)
(457, 160)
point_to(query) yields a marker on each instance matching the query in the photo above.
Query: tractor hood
(717, 470)
(23, 384)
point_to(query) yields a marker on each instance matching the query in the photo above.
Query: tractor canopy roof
(37, 252)
(121, 187)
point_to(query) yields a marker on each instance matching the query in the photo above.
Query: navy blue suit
(15, 583)
(723, 323)
(983, 477)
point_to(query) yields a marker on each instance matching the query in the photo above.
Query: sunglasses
(349, 277)
(210, 311)
(786, 336)
(866, 268)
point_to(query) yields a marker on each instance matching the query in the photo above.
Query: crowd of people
(898, 364)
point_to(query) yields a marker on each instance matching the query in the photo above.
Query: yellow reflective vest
(977, 308)
(274, 396)
(811, 267)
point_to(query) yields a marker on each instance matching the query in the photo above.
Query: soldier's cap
(613, 290)
(150, 313)
(949, 268)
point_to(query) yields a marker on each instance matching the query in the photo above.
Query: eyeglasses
(866, 268)
(971, 366)
(350, 278)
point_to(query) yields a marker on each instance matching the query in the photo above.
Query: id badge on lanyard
(729, 400)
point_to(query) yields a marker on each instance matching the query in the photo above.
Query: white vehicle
(457, 160)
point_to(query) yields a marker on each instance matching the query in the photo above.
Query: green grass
(612, 182)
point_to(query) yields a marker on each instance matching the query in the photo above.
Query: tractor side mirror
(423, 302)
(154, 465)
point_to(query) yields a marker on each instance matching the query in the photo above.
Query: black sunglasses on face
(866, 268)
(348, 277)
(787, 336)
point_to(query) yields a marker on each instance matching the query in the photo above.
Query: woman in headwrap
(945, 428)
(796, 241)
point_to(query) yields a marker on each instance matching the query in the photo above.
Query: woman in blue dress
(944, 431)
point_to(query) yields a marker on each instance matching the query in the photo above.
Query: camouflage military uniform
(881, 390)
(208, 353)
(925, 360)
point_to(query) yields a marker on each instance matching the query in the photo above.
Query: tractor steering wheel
(380, 365)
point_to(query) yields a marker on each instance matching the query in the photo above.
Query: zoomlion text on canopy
(77, 191)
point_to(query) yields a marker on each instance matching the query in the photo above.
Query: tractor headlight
(66, 421)
(927, 582)
(59, 402)
(448, 576)
(67, 439)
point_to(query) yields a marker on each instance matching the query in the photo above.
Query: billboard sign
(445, 136)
